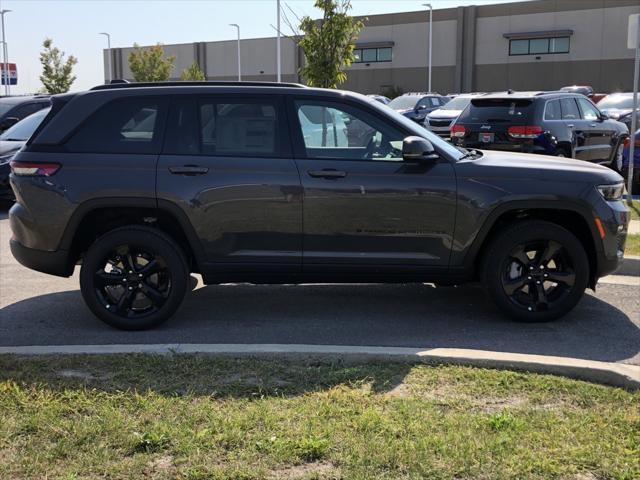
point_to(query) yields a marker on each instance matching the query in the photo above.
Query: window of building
(370, 55)
(130, 125)
(538, 46)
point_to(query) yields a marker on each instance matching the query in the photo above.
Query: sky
(74, 26)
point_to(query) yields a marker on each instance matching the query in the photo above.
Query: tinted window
(497, 110)
(332, 130)
(222, 127)
(22, 130)
(589, 112)
(559, 45)
(27, 109)
(384, 54)
(369, 55)
(518, 47)
(569, 109)
(538, 45)
(130, 125)
(552, 110)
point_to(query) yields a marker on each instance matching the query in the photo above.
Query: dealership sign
(11, 73)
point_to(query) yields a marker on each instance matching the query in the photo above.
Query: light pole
(109, 54)
(278, 65)
(239, 69)
(430, 38)
(5, 54)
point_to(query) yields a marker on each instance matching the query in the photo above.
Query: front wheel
(535, 271)
(617, 158)
(134, 278)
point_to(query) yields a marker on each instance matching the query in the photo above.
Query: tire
(514, 276)
(134, 278)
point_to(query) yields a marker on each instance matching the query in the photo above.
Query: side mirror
(604, 116)
(8, 122)
(421, 107)
(418, 148)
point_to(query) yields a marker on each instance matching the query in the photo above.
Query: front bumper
(54, 263)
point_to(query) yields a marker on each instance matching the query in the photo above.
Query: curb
(630, 266)
(615, 374)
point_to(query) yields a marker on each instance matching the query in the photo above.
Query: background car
(619, 106)
(636, 163)
(585, 90)
(14, 109)
(417, 105)
(439, 121)
(549, 123)
(11, 141)
(380, 98)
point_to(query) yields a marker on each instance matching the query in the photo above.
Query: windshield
(22, 130)
(622, 102)
(404, 102)
(458, 103)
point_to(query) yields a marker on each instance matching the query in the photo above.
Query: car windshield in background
(5, 107)
(403, 103)
(616, 101)
(22, 130)
(458, 103)
(493, 110)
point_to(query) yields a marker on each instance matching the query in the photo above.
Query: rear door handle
(188, 170)
(571, 125)
(327, 173)
(592, 125)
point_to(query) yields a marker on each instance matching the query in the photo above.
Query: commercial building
(531, 45)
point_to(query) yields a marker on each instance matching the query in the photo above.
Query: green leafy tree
(328, 44)
(194, 73)
(57, 73)
(150, 64)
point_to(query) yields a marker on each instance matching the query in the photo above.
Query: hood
(403, 110)
(616, 113)
(442, 113)
(7, 148)
(524, 165)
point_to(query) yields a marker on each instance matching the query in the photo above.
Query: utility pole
(109, 56)
(239, 68)
(5, 54)
(430, 39)
(278, 60)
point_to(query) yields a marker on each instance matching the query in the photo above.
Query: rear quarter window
(127, 125)
(497, 110)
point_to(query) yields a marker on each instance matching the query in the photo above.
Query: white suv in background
(439, 121)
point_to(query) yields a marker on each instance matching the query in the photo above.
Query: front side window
(569, 109)
(336, 131)
(130, 125)
(589, 112)
(210, 126)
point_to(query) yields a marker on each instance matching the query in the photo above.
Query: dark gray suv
(142, 184)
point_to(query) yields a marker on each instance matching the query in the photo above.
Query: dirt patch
(323, 470)
(162, 466)
(80, 374)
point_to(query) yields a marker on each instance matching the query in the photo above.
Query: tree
(149, 64)
(57, 73)
(193, 73)
(328, 44)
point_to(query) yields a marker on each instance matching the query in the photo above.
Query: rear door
(599, 138)
(365, 209)
(226, 163)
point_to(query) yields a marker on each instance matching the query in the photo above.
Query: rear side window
(210, 126)
(497, 110)
(552, 110)
(569, 109)
(131, 125)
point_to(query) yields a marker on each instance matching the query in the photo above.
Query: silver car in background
(439, 121)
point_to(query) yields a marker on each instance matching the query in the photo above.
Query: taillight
(31, 169)
(457, 131)
(627, 142)
(529, 131)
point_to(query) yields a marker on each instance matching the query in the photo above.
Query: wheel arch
(97, 216)
(572, 217)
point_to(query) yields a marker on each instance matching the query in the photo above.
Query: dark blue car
(417, 105)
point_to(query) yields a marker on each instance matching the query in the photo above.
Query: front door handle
(570, 125)
(188, 170)
(327, 173)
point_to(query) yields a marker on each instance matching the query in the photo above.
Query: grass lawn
(196, 417)
(635, 210)
(632, 247)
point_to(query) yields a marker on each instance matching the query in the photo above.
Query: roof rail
(212, 83)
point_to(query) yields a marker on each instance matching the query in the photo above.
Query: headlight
(612, 192)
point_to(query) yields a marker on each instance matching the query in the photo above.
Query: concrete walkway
(634, 227)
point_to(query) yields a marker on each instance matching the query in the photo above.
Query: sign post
(9, 73)
(633, 41)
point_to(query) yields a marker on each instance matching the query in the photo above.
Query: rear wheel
(535, 271)
(134, 278)
(616, 164)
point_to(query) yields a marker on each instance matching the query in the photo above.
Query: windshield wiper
(471, 154)
(14, 140)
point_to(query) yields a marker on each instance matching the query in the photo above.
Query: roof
(525, 95)
(118, 84)
(23, 98)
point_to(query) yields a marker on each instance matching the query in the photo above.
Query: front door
(226, 163)
(364, 206)
(599, 135)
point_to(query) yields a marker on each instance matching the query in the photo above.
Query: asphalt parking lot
(38, 309)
